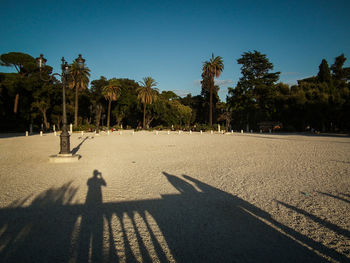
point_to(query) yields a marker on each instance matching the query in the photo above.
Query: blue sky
(170, 40)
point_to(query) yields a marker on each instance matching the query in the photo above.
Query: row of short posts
(190, 132)
(53, 127)
(133, 132)
(251, 131)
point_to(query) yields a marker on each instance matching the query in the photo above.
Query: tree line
(320, 102)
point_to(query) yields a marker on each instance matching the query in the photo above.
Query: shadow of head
(181, 185)
(96, 173)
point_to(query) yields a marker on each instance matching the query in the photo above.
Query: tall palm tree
(80, 81)
(111, 92)
(147, 94)
(212, 69)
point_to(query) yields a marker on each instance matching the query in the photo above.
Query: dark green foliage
(24, 98)
(252, 100)
(337, 68)
(127, 111)
(319, 102)
(199, 106)
(324, 75)
(23, 63)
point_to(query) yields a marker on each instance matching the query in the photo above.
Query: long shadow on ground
(200, 224)
(77, 148)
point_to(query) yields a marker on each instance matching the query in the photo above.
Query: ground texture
(176, 197)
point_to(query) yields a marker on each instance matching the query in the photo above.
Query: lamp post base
(64, 141)
(64, 158)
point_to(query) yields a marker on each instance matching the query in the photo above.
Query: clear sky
(170, 40)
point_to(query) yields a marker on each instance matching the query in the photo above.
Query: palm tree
(79, 81)
(211, 69)
(111, 92)
(146, 94)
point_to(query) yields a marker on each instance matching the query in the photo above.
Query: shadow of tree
(200, 224)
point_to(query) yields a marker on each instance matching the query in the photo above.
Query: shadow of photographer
(199, 224)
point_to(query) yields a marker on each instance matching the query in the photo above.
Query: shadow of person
(94, 194)
(91, 232)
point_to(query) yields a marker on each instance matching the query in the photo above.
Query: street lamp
(64, 137)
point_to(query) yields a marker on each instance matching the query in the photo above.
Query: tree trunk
(59, 122)
(148, 121)
(98, 116)
(15, 107)
(119, 119)
(109, 113)
(76, 107)
(144, 115)
(47, 125)
(247, 127)
(211, 102)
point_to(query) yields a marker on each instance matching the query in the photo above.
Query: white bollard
(54, 128)
(201, 132)
(168, 132)
(27, 133)
(108, 132)
(218, 127)
(251, 131)
(82, 133)
(41, 133)
(133, 132)
(179, 131)
(156, 132)
(71, 128)
(190, 131)
(55, 133)
(260, 131)
(242, 131)
(120, 132)
(211, 132)
(232, 131)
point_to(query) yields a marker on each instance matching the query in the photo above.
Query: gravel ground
(176, 197)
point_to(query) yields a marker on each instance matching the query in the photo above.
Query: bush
(85, 127)
(116, 127)
(289, 128)
(159, 128)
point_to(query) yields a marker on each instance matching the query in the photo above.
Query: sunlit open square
(176, 198)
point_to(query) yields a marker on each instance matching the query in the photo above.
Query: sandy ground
(178, 198)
